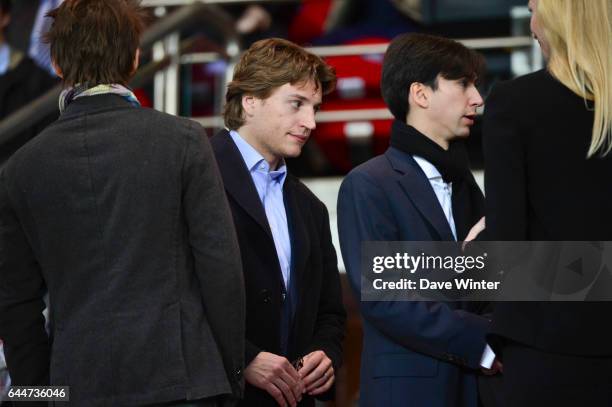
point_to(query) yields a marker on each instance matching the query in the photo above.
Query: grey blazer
(120, 213)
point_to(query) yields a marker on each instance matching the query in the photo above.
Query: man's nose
(476, 98)
(308, 119)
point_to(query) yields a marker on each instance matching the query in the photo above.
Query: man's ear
(418, 94)
(136, 61)
(248, 104)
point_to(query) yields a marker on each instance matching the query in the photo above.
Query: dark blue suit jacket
(414, 353)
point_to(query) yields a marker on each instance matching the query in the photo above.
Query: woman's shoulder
(536, 91)
(525, 86)
(533, 86)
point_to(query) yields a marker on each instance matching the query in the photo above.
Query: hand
(496, 367)
(275, 375)
(317, 373)
(474, 232)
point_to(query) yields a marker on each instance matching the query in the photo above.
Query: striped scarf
(70, 94)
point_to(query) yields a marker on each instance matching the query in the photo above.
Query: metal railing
(519, 42)
(474, 43)
(169, 53)
(172, 3)
(183, 18)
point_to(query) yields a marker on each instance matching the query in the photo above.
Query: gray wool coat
(120, 213)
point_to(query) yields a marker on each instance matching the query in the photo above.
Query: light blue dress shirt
(5, 56)
(269, 185)
(39, 50)
(444, 193)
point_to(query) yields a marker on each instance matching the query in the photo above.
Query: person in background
(547, 139)
(295, 316)
(21, 81)
(39, 49)
(119, 212)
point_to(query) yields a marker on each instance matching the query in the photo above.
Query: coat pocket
(81, 359)
(146, 350)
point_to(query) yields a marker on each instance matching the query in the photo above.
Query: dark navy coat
(414, 353)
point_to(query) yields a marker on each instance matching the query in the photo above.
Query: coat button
(264, 296)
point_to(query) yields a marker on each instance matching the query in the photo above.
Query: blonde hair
(579, 35)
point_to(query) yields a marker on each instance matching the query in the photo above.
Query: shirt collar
(428, 168)
(5, 58)
(255, 161)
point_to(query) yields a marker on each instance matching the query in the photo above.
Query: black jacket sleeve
(217, 255)
(22, 324)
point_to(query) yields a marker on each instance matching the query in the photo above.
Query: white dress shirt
(442, 190)
(444, 193)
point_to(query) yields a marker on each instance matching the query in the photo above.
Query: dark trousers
(533, 378)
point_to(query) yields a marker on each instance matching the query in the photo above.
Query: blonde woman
(547, 140)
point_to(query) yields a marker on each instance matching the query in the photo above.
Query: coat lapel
(418, 189)
(300, 243)
(238, 182)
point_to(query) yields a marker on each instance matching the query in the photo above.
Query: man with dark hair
(421, 189)
(21, 81)
(295, 317)
(119, 212)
